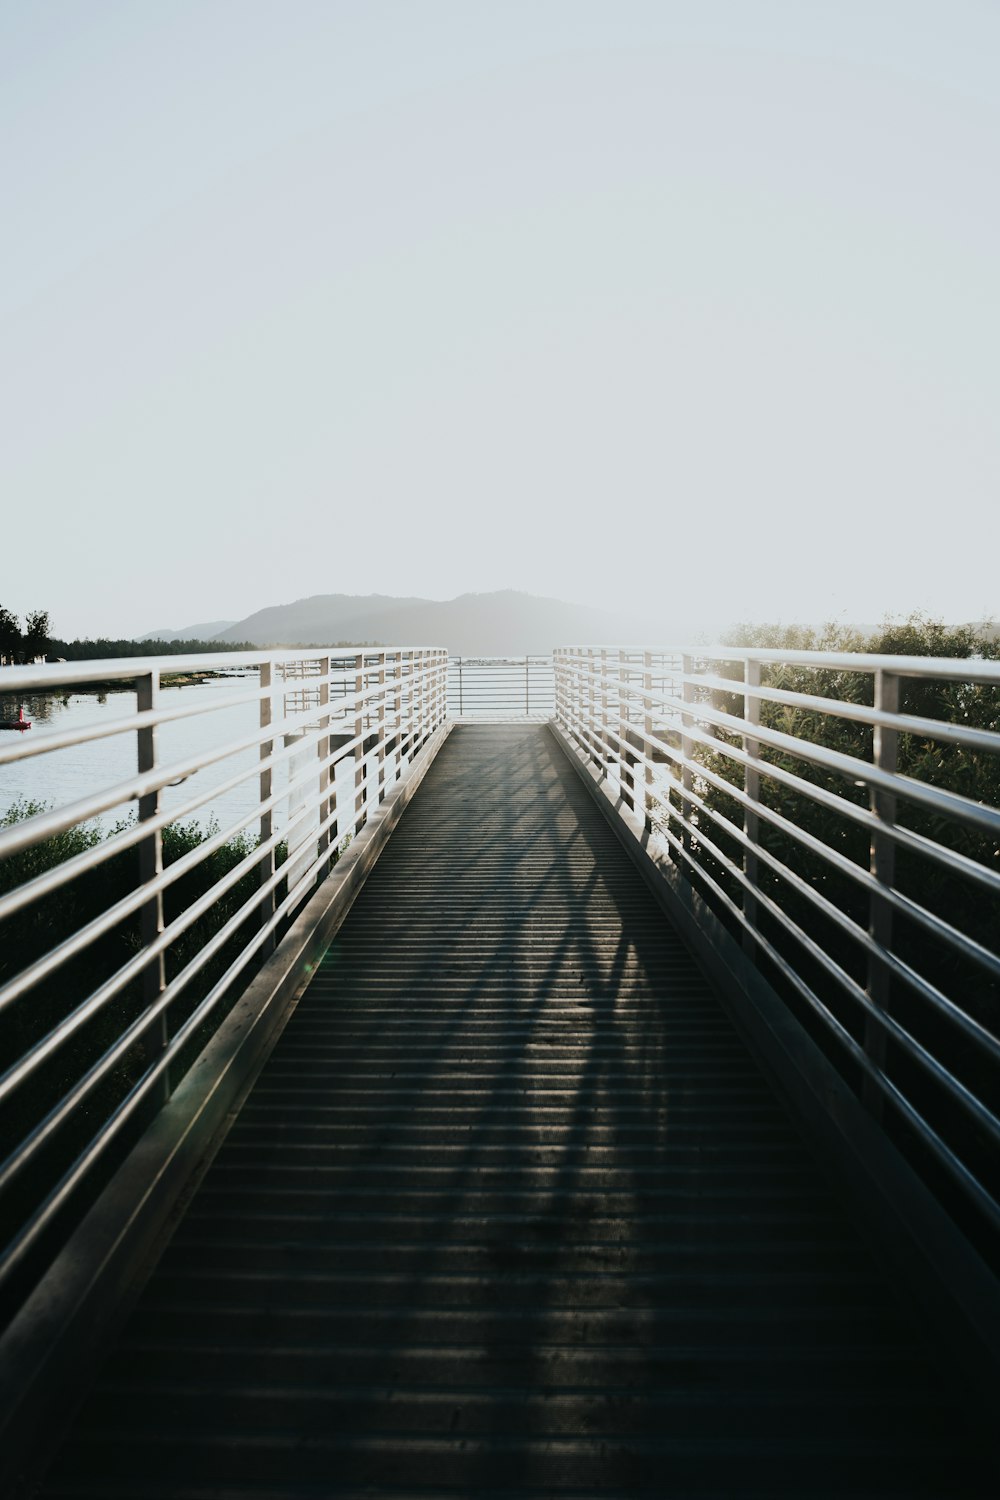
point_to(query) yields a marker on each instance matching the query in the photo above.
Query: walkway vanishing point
(511, 1210)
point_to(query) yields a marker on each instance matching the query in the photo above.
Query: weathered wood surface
(511, 1211)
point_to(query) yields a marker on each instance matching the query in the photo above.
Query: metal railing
(501, 687)
(116, 964)
(838, 812)
(836, 823)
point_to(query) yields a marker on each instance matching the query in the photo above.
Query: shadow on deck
(510, 1209)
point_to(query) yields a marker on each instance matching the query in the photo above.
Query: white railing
(114, 964)
(501, 687)
(867, 896)
(771, 781)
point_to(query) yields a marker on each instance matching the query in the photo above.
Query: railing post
(359, 747)
(397, 712)
(605, 747)
(154, 976)
(626, 758)
(417, 700)
(885, 754)
(431, 677)
(751, 820)
(687, 751)
(268, 863)
(647, 730)
(325, 800)
(576, 700)
(412, 719)
(585, 700)
(381, 726)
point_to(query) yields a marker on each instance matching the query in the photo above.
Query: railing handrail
(21, 678)
(114, 669)
(948, 668)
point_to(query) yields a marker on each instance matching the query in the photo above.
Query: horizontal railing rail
(501, 687)
(839, 813)
(122, 949)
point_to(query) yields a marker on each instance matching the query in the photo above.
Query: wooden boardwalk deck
(510, 1210)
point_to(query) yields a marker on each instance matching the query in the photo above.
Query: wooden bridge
(513, 1208)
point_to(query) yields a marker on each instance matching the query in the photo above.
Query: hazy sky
(688, 307)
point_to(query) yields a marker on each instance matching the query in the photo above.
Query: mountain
(204, 632)
(499, 624)
(322, 619)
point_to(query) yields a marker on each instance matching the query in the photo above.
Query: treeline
(36, 639)
(104, 649)
(27, 644)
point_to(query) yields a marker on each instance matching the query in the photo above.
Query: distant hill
(496, 624)
(204, 632)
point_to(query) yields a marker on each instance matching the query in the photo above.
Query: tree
(10, 634)
(36, 633)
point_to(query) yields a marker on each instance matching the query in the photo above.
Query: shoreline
(119, 685)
